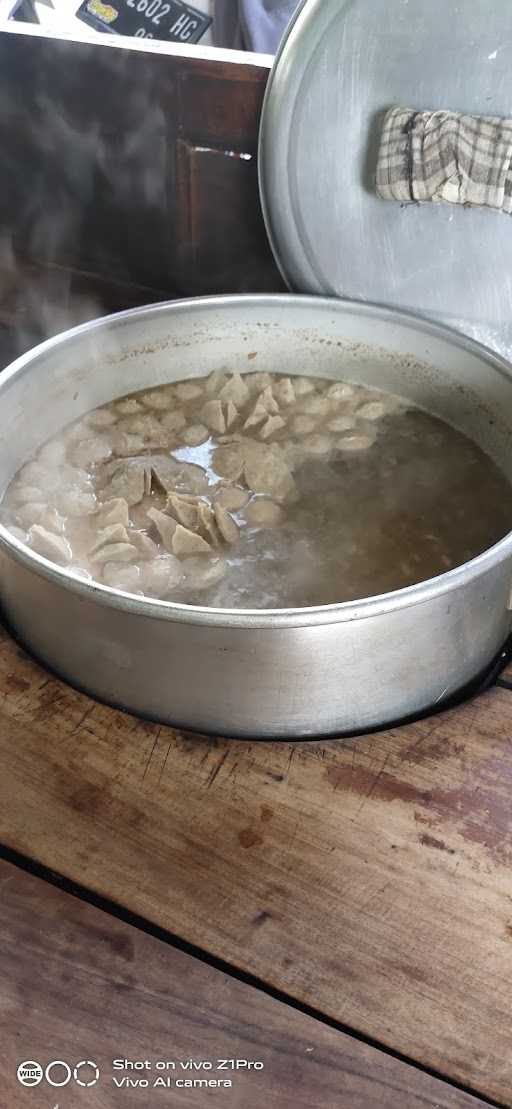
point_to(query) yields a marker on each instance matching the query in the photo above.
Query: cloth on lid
(446, 156)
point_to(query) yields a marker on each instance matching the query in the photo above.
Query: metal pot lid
(342, 64)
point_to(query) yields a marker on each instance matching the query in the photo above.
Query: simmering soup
(259, 491)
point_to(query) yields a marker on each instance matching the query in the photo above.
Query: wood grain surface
(370, 879)
(78, 984)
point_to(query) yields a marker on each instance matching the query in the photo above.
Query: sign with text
(167, 20)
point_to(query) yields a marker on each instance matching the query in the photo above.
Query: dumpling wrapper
(226, 525)
(183, 511)
(113, 533)
(185, 542)
(115, 552)
(165, 526)
(114, 511)
(45, 543)
(161, 575)
(213, 416)
(202, 573)
(235, 390)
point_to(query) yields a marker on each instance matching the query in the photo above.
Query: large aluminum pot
(317, 671)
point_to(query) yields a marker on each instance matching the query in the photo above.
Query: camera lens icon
(86, 1073)
(29, 1073)
(58, 1073)
(63, 1073)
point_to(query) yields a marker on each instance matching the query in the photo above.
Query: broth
(259, 492)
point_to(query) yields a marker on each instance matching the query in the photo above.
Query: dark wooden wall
(127, 176)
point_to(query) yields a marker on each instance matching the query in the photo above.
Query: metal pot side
(289, 673)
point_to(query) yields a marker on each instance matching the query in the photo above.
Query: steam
(84, 193)
(37, 302)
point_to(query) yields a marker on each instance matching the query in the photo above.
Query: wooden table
(353, 897)
(88, 984)
(339, 911)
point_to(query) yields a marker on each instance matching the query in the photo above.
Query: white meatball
(263, 514)
(77, 503)
(174, 420)
(91, 451)
(194, 435)
(355, 442)
(161, 575)
(374, 410)
(303, 386)
(303, 425)
(129, 406)
(102, 417)
(314, 405)
(341, 423)
(317, 444)
(341, 390)
(202, 573)
(188, 391)
(158, 399)
(232, 498)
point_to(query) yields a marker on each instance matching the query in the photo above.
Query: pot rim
(314, 616)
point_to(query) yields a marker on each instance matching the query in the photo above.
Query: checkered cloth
(446, 156)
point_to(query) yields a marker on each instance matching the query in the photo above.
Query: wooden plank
(369, 879)
(77, 983)
(91, 175)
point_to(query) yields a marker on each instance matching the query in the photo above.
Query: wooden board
(77, 983)
(369, 879)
